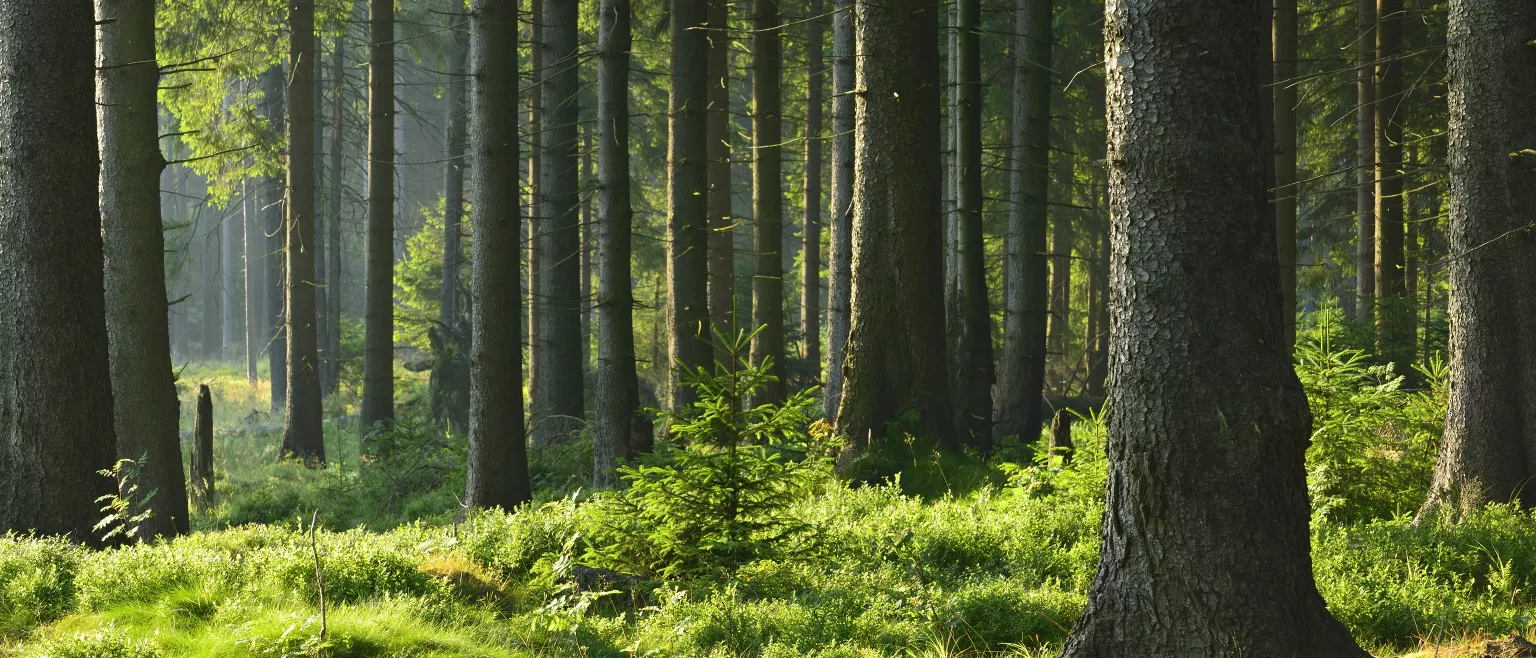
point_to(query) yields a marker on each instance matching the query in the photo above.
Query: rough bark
(333, 241)
(147, 416)
(1394, 310)
(895, 357)
(616, 400)
(273, 86)
(969, 315)
(722, 223)
(450, 395)
(1365, 177)
(498, 458)
(55, 430)
(202, 449)
(840, 249)
(688, 336)
(303, 429)
(810, 260)
(378, 404)
(768, 195)
(1022, 368)
(1206, 550)
(558, 397)
(1488, 452)
(1285, 101)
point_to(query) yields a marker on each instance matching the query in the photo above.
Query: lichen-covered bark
(143, 385)
(378, 404)
(840, 220)
(1205, 545)
(303, 436)
(688, 331)
(896, 348)
(1488, 452)
(55, 389)
(498, 457)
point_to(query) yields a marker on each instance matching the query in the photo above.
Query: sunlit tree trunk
(840, 249)
(1365, 172)
(687, 204)
(768, 194)
(810, 260)
(273, 86)
(303, 435)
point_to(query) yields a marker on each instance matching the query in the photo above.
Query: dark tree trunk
(202, 449)
(55, 386)
(1022, 368)
(333, 242)
(767, 195)
(558, 397)
(840, 249)
(273, 85)
(618, 426)
(537, 210)
(143, 385)
(1061, 435)
(722, 222)
(303, 430)
(687, 205)
(1285, 158)
(1098, 365)
(969, 316)
(1394, 314)
(895, 357)
(1058, 332)
(1206, 550)
(810, 260)
(587, 232)
(498, 458)
(1488, 453)
(450, 398)
(378, 404)
(1365, 178)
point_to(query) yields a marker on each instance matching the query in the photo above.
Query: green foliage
(105, 643)
(126, 511)
(37, 581)
(419, 279)
(719, 494)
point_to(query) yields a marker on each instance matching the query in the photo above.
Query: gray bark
(378, 404)
(56, 429)
(255, 334)
(810, 261)
(273, 86)
(840, 249)
(688, 333)
(768, 195)
(209, 260)
(969, 315)
(303, 430)
(333, 248)
(498, 459)
(1206, 550)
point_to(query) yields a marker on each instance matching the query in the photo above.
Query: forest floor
(956, 557)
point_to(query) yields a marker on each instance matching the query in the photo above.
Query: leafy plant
(125, 511)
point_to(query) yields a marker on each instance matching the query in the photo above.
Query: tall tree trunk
(810, 259)
(55, 387)
(303, 430)
(768, 195)
(1394, 315)
(148, 414)
(211, 291)
(687, 206)
(498, 457)
(970, 315)
(273, 84)
(451, 397)
(229, 253)
(1365, 192)
(616, 400)
(1022, 368)
(537, 210)
(333, 241)
(1285, 159)
(255, 316)
(722, 222)
(840, 249)
(1488, 449)
(322, 235)
(558, 398)
(895, 357)
(378, 404)
(1098, 338)
(1210, 421)
(587, 232)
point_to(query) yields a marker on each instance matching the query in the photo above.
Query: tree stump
(202, 449)
(1513, 647)
(1061, 435)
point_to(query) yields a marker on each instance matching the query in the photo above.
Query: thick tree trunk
(558, 397)
(1206, 550)
(1488, 453)
(768, 195)
(687, 205)
(143, 384)
(55, 387)
(969, 316)
(378, 404)
(303, 430)
(895, 357)
(722, 222)
(1365, 179)
(333, 242)
(273, 85)
(1394, 314)
(810, 259)
(1285, 159)
(616, 400)
(840, 249)
(498, 458)
(450, 397)
(1022, 368)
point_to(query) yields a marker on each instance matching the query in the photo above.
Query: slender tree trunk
(810, 260)
(211, 291)
(687, 206)
(273, 85)
(1209, 421)
(333, 241)
(229, 250)
(895, 357)
(143, 385)
(537, 211)
(722, 223)
(1394, 316)
(616, 402)
(1365, 192)
(969, 315)
(451, 397)
(498, 458)
(559, 396)
(1411, 220)
(55, 386)
(1098, 366)
(303, 430)
(586, 255)
(767, 195)
(1285, 158)
(255, 329)
(840, 251)
(1022, 369)
(378, 404)
(322, 235)
(1488, 449)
